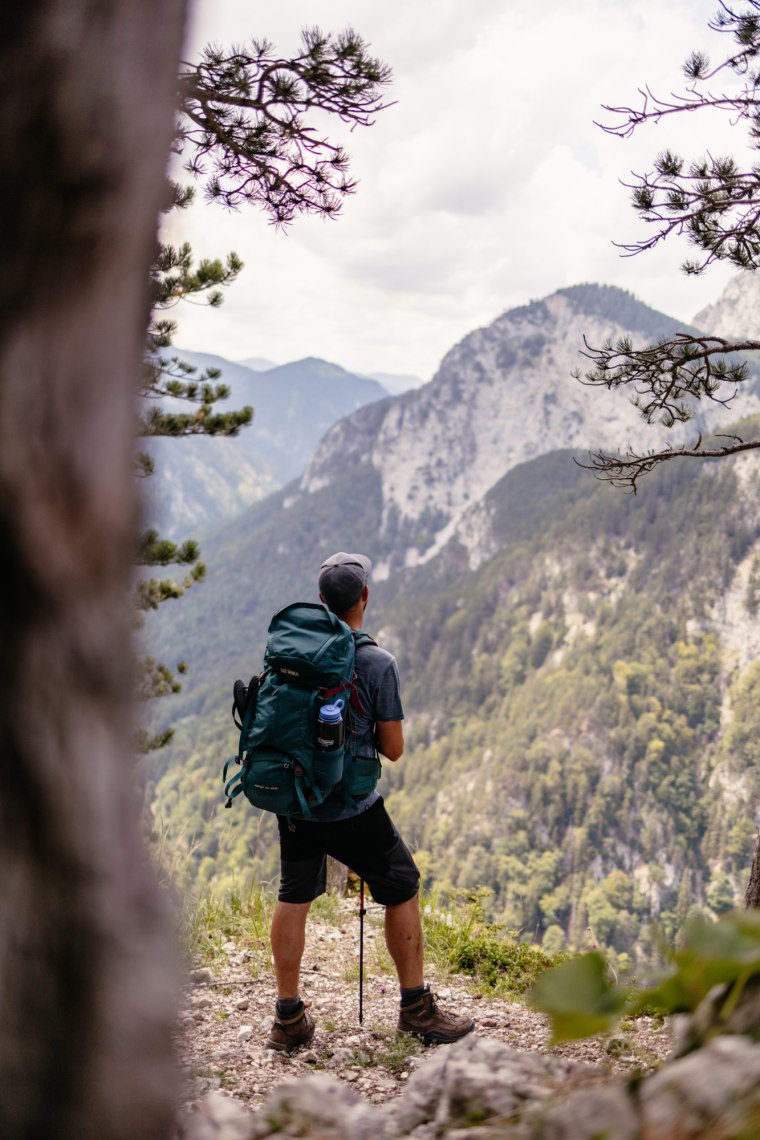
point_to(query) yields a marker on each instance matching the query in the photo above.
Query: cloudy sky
(487, 185)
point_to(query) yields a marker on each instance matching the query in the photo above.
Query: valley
(579, 665)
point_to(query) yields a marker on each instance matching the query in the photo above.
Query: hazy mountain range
(201, 481)
(580, 665)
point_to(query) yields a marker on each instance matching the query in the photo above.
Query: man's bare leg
(403, 937)
(420, 1014)
(288, 939)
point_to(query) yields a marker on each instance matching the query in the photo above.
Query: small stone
(340, 1057)
(243, 1003)
(203, 1002)
(266, 1023)
(245, 1031)
(229, 948)
(310, 1057)
(202, 975)
(616, 1046)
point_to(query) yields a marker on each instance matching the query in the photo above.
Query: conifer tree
(86, 965)
(246, 132)
(713, 201)
(87, 971)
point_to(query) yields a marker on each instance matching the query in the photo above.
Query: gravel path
(228, 1005)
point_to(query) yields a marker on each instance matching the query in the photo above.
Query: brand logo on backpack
(293, 747)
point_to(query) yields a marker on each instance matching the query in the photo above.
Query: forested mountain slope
(582, 706)
(580, 666)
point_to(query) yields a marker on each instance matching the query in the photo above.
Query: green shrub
(461, 941)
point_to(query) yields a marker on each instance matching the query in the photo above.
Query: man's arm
(390, 738)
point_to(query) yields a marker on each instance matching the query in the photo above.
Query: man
(362, 836)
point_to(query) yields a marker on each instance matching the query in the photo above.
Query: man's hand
(390, 738)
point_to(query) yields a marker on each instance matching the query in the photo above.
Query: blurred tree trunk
(337, 876)
(86, 965)
(752, 897)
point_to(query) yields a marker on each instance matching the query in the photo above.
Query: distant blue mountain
(396, 383)
(202, 481)
(257, 363)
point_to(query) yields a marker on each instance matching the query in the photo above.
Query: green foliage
(726, 952)
(394, 1049)
(223, 916)
(247, 121)
(460, 940)
(581, 999)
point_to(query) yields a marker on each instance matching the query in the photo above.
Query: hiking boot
(422, 1018)
(289, 1032)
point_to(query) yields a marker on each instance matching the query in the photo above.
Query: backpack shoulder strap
(362, 638)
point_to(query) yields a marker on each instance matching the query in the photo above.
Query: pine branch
(244, 121)
(710, 200)
(669, 376)
(625, 470)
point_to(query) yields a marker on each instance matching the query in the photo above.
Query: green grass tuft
(461, 941)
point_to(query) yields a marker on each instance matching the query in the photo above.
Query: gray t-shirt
(379, 691)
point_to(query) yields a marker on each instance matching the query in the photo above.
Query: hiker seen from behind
(349, 822)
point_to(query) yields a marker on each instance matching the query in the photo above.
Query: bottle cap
(332, 713)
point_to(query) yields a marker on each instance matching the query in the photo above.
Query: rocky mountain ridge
(735, 315)
(503, 395)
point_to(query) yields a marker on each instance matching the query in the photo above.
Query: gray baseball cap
(342, 578)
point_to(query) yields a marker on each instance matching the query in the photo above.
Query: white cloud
(485, 186)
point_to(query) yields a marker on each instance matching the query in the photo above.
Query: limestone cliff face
(736, 313)
(503, 395)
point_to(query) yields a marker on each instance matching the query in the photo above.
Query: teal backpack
(308, 663)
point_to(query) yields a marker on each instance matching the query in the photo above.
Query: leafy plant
(581, 999)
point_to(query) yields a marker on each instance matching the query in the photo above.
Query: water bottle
(330, 726)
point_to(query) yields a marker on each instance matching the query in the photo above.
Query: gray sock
(288, 1007)
(413, 993)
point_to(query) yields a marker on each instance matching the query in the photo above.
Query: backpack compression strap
(234, 786)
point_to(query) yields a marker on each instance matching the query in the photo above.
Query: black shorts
(368, 843)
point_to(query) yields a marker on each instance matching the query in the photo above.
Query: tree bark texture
(752, 896)
(86, 964)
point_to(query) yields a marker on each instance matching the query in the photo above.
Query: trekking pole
(361, 949)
